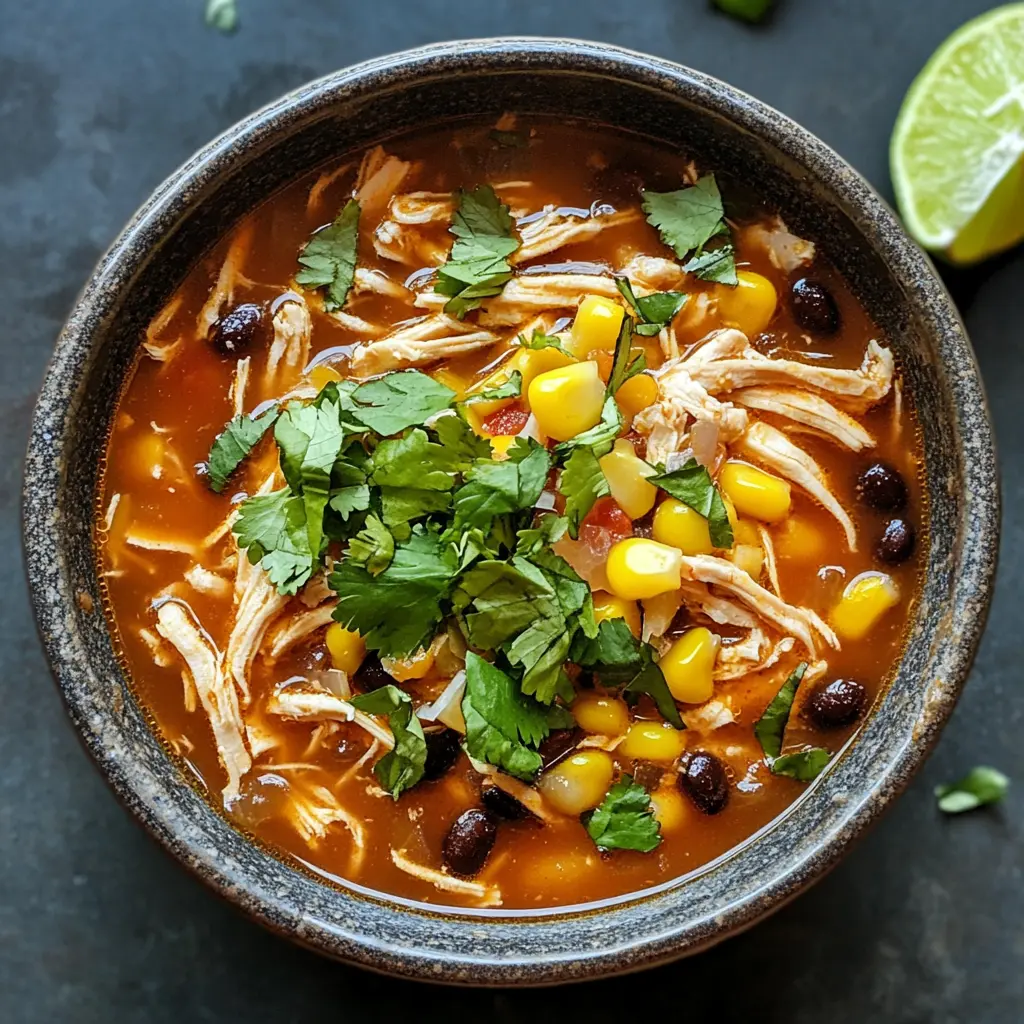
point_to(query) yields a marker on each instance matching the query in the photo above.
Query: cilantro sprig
(328, 259)
(655, 311)
(402, 766)
(624, 820)
(692, 485)
(233, 444)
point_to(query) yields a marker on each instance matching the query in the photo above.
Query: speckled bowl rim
(559, 946)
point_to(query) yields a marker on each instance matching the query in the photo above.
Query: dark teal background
(99, 101)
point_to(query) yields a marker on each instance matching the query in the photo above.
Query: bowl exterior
(819, 195)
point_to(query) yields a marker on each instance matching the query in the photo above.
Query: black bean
(371, 675)
(897, 542)
(882, 487)
(469, 841)
(558, 746)
(442, 752)
(234, 332)
(648, 774)
(814, 309)
(503, 805)
(704, 780)
(838, 703)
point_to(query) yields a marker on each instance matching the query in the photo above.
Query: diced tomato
(607, 519)
(506, 421)
(639, 443)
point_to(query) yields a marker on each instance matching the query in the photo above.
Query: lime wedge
(957, 151)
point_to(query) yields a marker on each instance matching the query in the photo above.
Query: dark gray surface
(98, 102)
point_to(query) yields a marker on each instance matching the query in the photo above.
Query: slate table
(99, 101)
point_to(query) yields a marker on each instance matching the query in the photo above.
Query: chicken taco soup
(513, 515)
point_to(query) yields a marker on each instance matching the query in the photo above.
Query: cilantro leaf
(373, 547)
(494, 488)
(693, 486)
(655, 311)
(624, 363)
(512, 388)
(403, 766)
(804, 765)
(599, 438)
(329, 258)
(310, 438)
(415, 477)
(980, 786)
(717, 264)
(539, 340)
(271, 529)
(477, 266)
(614, 653)
(581, 483)
(234, 443)
(752, 11)
(462, 441)
(399, 610)
(503, 727)
(625, 819)
(499, 600)
(769, 728)
(549, 530)
(688, 218)
(406, 398)
(650, 680)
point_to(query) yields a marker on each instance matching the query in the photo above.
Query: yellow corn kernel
(652, 741)
(568, 400)
(608, 606)
(670, 809)
(346, 648)
(323, 374)
(148, 454)
(627, 479)
(754, 492)
(450, 379)
(745, 532)
(682, 527)
(531, 363)
(865, 600)
(750, 305)
(501, 444)
(638, 568)
(596, 326)
(604, 716)
(749, 558)
(578, 783)
(637, 394)
(688, 665)
(416, 666)
(800, 540)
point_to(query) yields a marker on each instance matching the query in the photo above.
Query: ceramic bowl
(820, 197)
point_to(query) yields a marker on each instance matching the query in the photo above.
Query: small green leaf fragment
(980, 786)
(625, 819)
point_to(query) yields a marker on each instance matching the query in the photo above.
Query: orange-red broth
(169, 414)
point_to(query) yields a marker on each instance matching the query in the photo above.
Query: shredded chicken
(488, 895)
(137, 538)
(766, 444)
(809, 409)
(709, 716)
(296, 628)
(290, 347)
(163, 351)
(238, 385)
(406, 243)
(375, 282)
(322, 183)
(314, 808)
(229, 278)
(768, 547)
(380, 177)
(803, 623)
(422, 208)
(555, 229)
(204, 581)
(157, 648)
(176, 624)
(419, 343)
(525, 297)
(654, 273)
(787, 252)
(309, 703)
(259, 605)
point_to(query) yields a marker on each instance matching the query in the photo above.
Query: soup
(497, 519)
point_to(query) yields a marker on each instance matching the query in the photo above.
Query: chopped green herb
(503, 726)
(477, 266)
(625, 363)
(233, 444)
(549, 530)
(650, 680)
(687, 220)
(373, 547)
(399, 610)
(462, 441)
(496, 488)
(771, 726)
(401, 768)
(581, 483)
(655, 311)
(329, 258)
(271, 529)
(718, 264)
(980, 786)
(512, 388)
(415, 477)
(693, 486)
(222, 15)
(746, 10)
(599, 438)
(625, 819)
(539, 340)
(804, 765)
(408, 398)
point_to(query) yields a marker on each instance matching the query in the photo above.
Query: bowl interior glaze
(819, 196)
